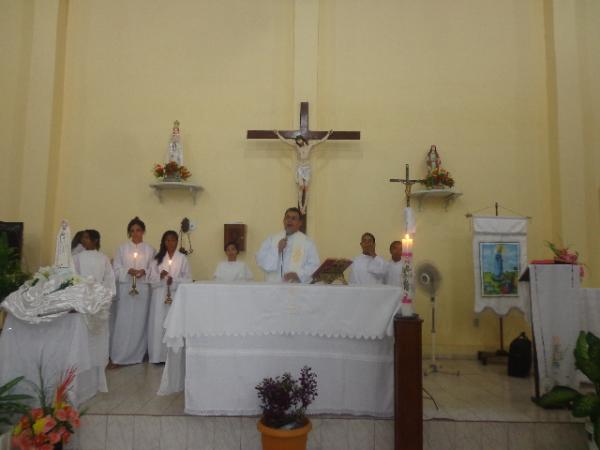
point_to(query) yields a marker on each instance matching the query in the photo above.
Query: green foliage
(587, 359)
(11, 275)
(12, 404)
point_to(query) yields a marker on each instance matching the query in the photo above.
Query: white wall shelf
(447, 195)
(175, 185)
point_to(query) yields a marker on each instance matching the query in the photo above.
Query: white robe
(129, 339)
(232, 271)
(181, 273)
(393, 274)
(275, 265)
(95, 264)
(367, 270)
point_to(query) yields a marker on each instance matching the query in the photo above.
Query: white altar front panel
(55, 347)
(235, 335)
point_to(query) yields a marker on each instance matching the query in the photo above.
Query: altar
(224, 339)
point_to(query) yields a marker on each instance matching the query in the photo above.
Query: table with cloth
(559, 309)
(223, 339)
(54, 347)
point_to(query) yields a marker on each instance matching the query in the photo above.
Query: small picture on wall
(499, 264)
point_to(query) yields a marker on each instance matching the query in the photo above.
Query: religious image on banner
(499, 255)
(499, 268)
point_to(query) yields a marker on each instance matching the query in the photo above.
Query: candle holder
(133, 290)
(169, 299)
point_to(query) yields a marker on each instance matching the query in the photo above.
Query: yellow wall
(482, 80)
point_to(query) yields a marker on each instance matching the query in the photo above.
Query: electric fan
(429, 280)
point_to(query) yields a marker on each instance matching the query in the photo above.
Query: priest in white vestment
(368, 268)
(170, 268)
(393, 274)
(232, 270)
(129, 339)
(289, 255)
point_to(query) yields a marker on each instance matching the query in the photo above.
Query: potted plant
(11, 275)
(587, 360)
(50, 425)
(284, 425)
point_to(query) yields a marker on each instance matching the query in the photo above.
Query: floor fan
(429, 281)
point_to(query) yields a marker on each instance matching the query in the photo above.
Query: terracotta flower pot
(276, 439)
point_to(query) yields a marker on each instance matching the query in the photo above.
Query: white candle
(170, 262)
(135, 260)
(407, 244)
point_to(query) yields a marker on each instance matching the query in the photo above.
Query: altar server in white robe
(288, 256)
(129, 340)
(169, 268)
(368, 268)
(91, 262)
(232, 270)
(393, 274)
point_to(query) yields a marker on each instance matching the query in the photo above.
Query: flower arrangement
(438, 177)
(563, 255)
(171, 171)
(51, 424)
(50, 279)
(284, 400)
(11, 404)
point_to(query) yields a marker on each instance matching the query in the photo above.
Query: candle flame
(135, 254)
(406, 236)
(170, 261)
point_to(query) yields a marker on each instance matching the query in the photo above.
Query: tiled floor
(480, 409)
(479, 393)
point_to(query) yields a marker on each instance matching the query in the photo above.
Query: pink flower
(54, 437)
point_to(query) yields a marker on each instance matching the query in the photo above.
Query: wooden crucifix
(301, 141)
(407, 184)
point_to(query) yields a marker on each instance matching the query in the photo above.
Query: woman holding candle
(129, 340)
(169, 268)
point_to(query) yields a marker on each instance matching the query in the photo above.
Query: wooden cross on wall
(407, 182)
(304, 131)
(308, 135)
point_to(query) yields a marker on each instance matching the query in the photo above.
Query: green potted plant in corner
(284, 425)
(11, 405)
(11, 275)
(587, 359)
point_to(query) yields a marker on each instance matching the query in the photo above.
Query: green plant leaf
(583, 361)
(558, 397)
(10, 384)
(593, 347)
(584, 406)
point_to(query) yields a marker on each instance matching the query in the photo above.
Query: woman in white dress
(92, 262)
(232, 270)
(169, 268)
(129, 339)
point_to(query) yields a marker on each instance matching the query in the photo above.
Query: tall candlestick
(133, 290)
(407, 245)
(406, 306)
(169, 300)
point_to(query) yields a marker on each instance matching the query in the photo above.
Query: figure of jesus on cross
(303, 169)
(303, 140)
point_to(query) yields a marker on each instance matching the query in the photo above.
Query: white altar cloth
(237, 334)
(55, 347)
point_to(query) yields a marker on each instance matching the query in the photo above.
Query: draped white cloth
(300, 255)
(232, 271)
(180, 271)
(129, 338)
(54, 347)
(236, 334)
(500, 230)
(367, 270)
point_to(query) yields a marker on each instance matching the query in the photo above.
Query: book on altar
(331, 270)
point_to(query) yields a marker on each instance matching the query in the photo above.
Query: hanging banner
(499, 256)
